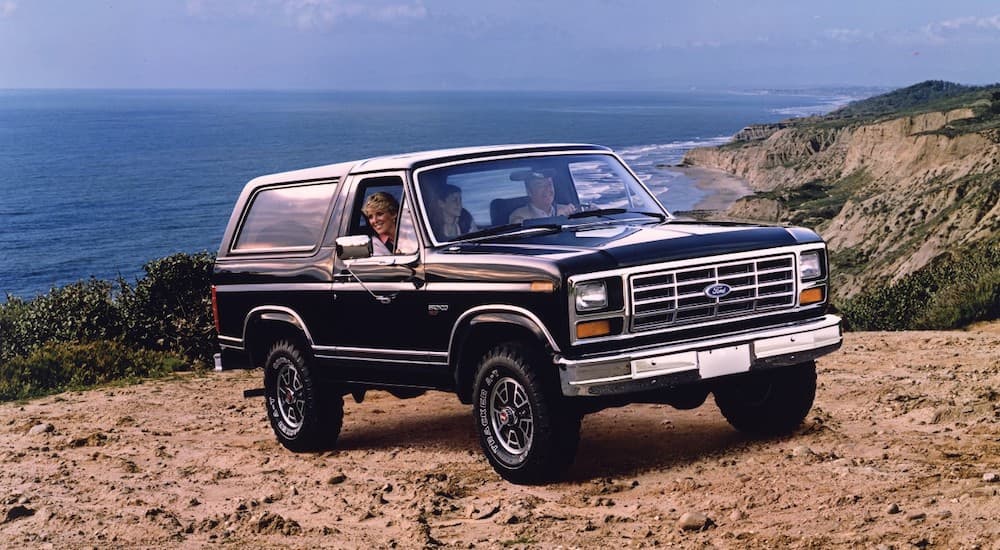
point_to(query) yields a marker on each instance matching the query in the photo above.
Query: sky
(495, 44)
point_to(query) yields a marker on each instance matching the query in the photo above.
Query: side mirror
(354, 247)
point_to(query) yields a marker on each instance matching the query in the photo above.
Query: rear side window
(285, 218)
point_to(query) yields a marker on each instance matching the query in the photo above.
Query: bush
(170, 309)
(954, 290)
(59, 366)
(82, 311)
(92, 332)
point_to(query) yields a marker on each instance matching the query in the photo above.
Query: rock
(802, 451)
(42, 428)
(337, 479)
(489, 512)
(737, 515)
(916, 516)
(943, 514)
(991, 477)
(93, 440)
(509, 518)
(17, 512)
(269, 522)
(892, 509)
(693, 521)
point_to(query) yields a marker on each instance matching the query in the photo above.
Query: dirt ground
(901, 450)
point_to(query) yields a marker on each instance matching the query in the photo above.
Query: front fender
(502, 314)
(466, 345)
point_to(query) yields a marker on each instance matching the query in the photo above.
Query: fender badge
(434, 309)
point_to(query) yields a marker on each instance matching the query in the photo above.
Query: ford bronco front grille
(697, 294)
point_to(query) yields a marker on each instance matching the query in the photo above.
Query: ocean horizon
(95, 183)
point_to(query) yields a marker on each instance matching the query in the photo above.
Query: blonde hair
(380, 201)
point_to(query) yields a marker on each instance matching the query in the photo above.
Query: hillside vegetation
(97, 332)
(903, 186)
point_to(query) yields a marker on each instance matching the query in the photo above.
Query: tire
(769, 403)
(302, 418)
(528, 432)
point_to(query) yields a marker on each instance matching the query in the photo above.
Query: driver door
(378, 303)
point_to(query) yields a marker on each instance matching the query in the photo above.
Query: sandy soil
(723, 188)
(901, 450)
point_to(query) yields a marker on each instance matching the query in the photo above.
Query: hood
(622, 245)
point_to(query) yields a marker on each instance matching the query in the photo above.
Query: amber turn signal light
(591, 329)
(543, 286)
(811, 296)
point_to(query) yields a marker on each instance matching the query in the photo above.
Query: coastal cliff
(890, 189)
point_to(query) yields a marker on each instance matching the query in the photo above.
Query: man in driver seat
(541, 197)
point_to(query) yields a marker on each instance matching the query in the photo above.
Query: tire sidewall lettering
(489, 437)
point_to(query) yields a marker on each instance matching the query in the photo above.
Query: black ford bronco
(539, 283)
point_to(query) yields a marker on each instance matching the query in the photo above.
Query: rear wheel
(529, 435)
(302, 417)
(769, 403)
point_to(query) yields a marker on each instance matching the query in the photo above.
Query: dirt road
(901, 450)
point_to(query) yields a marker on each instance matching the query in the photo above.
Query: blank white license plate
(723, 361)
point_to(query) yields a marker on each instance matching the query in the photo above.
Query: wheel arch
(481, 328)
(265, 325)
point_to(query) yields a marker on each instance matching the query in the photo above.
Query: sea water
(96, 183)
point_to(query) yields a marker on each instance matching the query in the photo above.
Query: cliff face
(887, 195)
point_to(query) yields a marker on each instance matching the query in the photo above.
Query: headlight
(591, 296)
(810, 265)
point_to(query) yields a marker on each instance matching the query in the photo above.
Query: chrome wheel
(303, 415)
(510, 416)
(291, 397)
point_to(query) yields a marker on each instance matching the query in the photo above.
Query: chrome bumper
(671, 365)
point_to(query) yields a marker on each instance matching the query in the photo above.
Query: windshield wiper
(611, 211)
(658, 215)
(598, 212)
(526, 225)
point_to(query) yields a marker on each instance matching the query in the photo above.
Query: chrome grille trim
(675, 297)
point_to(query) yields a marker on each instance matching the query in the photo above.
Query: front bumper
(687, 362)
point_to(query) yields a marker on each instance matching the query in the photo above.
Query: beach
(722, 187)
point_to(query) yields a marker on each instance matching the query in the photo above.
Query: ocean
(95, 183)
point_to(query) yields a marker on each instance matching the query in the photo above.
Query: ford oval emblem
(718, 290)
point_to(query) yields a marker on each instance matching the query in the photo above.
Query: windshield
(474, 198)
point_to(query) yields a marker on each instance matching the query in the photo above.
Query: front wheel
(526, 430)
(303, 418)
(769, 403)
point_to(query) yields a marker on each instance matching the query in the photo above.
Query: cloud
(321, 14)
(957, 30)
(309, 14)
(963, 29)
(976, 22)
(847, 36)
(8, 8)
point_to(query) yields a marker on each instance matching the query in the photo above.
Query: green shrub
(954, 290)
(170, 309)
(59, 366)
(81, 311)
(92, 332)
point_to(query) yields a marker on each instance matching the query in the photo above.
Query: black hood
(590, 248)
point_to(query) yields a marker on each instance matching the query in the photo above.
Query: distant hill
(898, 184)
(931, 95)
